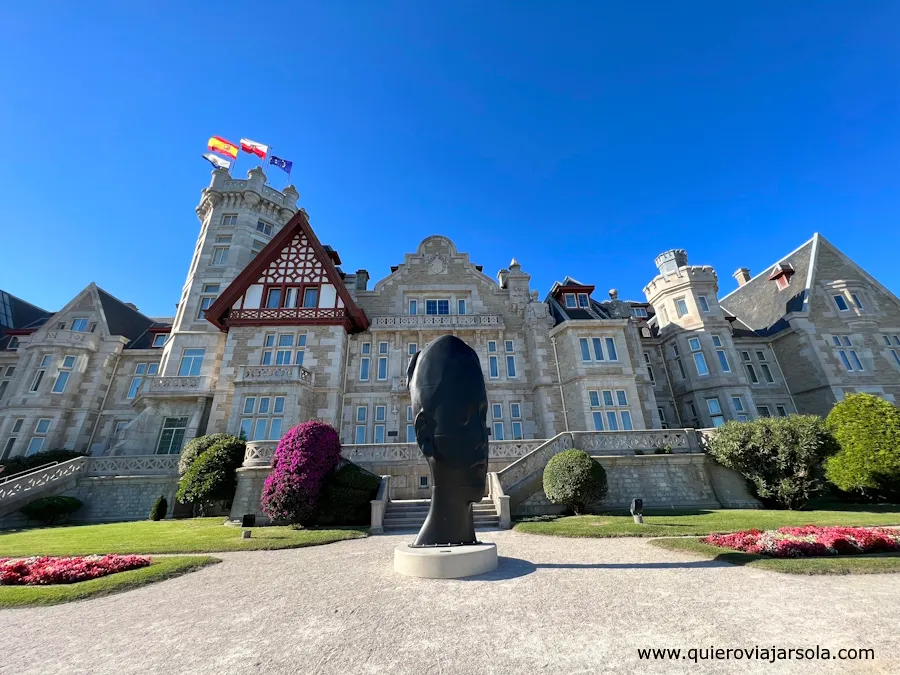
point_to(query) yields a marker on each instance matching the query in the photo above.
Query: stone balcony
(278, 374)
(439, 321)
(69, 339)
(189, 386)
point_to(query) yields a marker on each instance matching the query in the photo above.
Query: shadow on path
(511, 568)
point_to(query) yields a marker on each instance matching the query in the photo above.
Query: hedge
(574, 479)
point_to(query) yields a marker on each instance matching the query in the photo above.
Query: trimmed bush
(867, 428)
(20, 464)
(160, 507)
(196, 447)
(51, 510)
(574, 479)
(211, 476)
(346, 496)
(305, 457)
(779, 456)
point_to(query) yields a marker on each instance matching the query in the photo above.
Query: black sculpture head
(449, 404)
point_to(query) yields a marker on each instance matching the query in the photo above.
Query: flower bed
(40, 571)
(810, 540)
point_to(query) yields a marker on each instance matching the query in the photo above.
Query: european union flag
(283, 164)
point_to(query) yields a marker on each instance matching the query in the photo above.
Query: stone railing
(404, 452)
(31, 484)
(379, 506)
(72, 339)
(505, 449)
(175, 385)
(259, 453)
(288, 373)
(133, 465)
(425, 321)
(535, 461)
(617, 442)
(236, 316)
(500, 499)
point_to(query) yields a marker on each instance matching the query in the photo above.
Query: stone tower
(708, 382)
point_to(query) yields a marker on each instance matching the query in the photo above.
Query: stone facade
(270, 332)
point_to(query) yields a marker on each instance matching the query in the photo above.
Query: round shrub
(574, 479)
(305, 456)
(160, 507)
(211, 476)
(779, 456)
(867, 428)
(196, 447)
(346, 498)
(51, 510)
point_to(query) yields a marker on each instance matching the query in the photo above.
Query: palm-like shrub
(196, 447)
(305, 457)
(867, 428)
(780, 457)
(574, 479)
(211, 476)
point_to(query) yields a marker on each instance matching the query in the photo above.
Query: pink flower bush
(810, 540)
(47, 570)
(305, 456)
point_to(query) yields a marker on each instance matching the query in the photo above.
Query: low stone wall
(662, 481)
(250, 482)
(112, 498)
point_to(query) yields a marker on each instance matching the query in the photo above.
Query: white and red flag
(254, 148)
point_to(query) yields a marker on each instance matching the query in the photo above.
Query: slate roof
(123, 319)
(24, 315)
(761, 306)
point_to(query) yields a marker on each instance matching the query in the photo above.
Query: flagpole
(265, 165)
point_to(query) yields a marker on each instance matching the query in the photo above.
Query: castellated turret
(683, 294)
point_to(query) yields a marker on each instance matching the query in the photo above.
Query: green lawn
(197, 535)
(877, 563)
(159, 569)
(662, 524)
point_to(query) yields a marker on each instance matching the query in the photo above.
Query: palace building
(270, 331)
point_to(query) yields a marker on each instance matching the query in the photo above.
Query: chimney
(132, 306)
(362, 280)
(742, 276)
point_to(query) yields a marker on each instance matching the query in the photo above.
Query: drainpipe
(340, 419)
(662, 359)
(784, 379)
(562, 394)
(103, 402)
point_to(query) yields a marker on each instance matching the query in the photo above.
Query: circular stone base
(449, 562)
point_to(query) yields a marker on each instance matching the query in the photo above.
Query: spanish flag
(223, 147)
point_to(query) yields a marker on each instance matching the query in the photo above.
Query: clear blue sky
(581, 138)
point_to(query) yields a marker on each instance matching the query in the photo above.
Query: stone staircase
(409, 514)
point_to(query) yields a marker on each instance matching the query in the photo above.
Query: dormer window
(571, 303)
(583, 301)
(841, 302)
(159, 340)
(639, 312)
(80, 325)
(781, 275)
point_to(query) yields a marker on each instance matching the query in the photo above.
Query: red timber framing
(291, 264)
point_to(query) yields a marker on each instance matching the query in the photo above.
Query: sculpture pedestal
(450, 562)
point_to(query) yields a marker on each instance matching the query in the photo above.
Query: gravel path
(553, 606)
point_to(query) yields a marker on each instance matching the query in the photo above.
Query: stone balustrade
(283, 373)
(404, 452)
(133, 465)
(249, 315)
(426, 321)
(259, 453)
(619, 442)
(31, 484)
(191, 385)
(71, 339)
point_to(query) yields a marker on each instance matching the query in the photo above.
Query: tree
(575, 479)
(196, 447)
(779, 456)
(305, 457)
(211, 476)
(867, 428)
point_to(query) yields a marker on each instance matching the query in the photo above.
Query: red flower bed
(810, 540)
(46, 570)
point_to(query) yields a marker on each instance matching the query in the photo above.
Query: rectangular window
(510, 365)
(492, 346)
(896, 356)
(841, 303)
(680, 307)
(379, 433)
(585, 349)
(42, 426)
(745, 356)
(159, 340)
(517, 431)
(763, 411)
(382, 361)
(598, 420)
(751, 373)
(205, 303)
(621, 398)
(571, 303)
(39, 375)
(229, 219)
(410, 433)
(649, 367)
(497, 411)
(626, 420)
(849, 357)
(191, 360)
(380, 413)
(360, 434)
(704, 305)
(461, 307)
(273, 298)
(264, 227)
(171, 437)
(498, 431)
(611, 422)
(515, 411)
(34, 445)
(413, 307)
(583, 301)
(62, 377)
(699, 357)
(715, 411)
(80, 325)
(782, 411)
(7, 449)
(494, 367)
(597, 344)
(437, 307)
(3, 385)
(608, 398)
(639, 312)
(856, 301)
(594, 397)
(365, 350)
(362, 413)
(662, 418)
(311, 297)
(768, 373)
(611, 349)
(220, 255)
(681, 369)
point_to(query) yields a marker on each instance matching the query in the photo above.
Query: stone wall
(116, 498)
